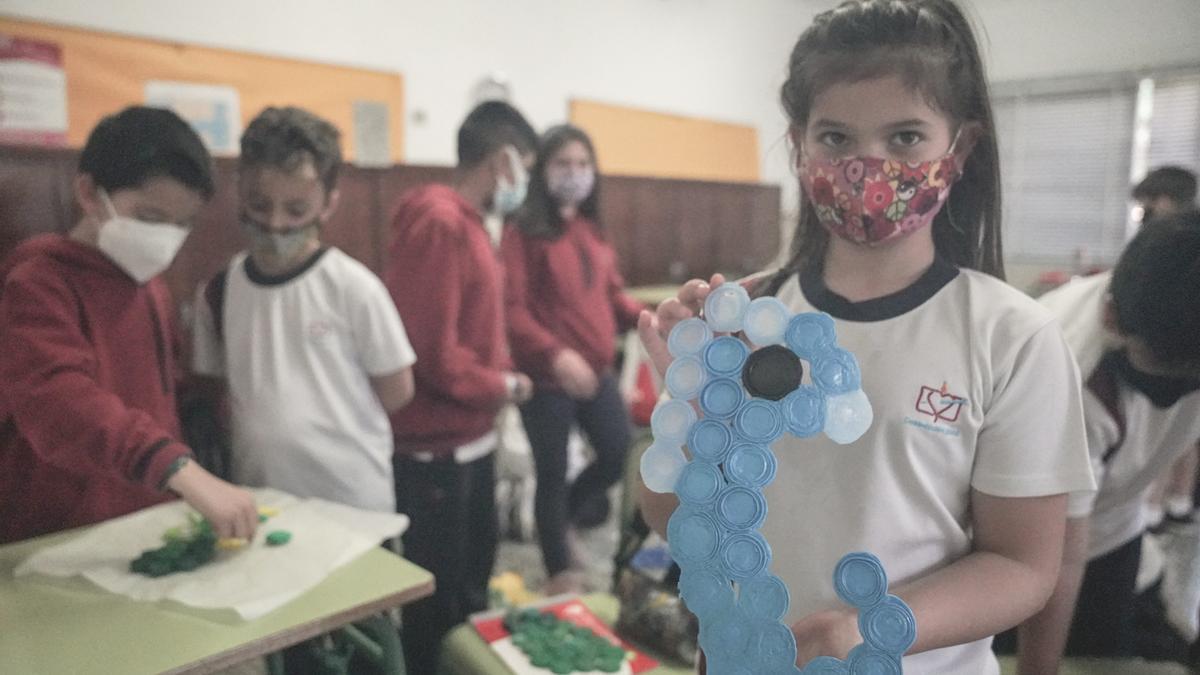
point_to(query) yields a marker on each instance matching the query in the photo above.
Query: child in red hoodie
(445, 278)
(88, 427)
(566, 303)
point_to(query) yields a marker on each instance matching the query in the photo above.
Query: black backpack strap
(214, 295)
(1103, 384)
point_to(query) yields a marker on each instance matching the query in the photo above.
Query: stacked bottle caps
(560, 646)
(747, 399)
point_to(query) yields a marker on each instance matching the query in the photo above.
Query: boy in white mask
(306, 338)
(88, 425)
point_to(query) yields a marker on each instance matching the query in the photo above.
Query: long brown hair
(929, 44)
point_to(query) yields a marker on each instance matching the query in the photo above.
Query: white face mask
(509, 196)
(140, 248)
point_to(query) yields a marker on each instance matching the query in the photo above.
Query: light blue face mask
(508, 197)
(282, 245)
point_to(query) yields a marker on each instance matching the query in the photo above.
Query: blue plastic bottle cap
(725, 306)
(710, 440)
(859, 580)
(751, 465)
(866, 661)
(688, 337)
(728, 636)
(766, 321)
(764, 597)
(661, 465)
(848, 416)
(707, 595)
(724, 664)
(745, 555)
(810, 334)
(692, 535)
(672, 419)
(699, 484)
(889, 626)
(721, 397)
(685, 377)
(741, 508)
(725, 356)
(826, 665)
(774, 645)
(759, 421)
(836, 372)
(804, 411)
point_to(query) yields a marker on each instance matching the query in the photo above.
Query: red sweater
(88, 424)
(446, 281)
(553, 304)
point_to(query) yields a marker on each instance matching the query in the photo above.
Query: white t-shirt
(972, 386)
(1154, 437)
(297, 352)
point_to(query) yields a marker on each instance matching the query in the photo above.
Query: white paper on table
(251, 581)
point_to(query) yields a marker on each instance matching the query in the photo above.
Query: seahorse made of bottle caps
(749, 399)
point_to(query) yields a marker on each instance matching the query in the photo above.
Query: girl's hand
(832, 632)
(654, 327)
(575, 376)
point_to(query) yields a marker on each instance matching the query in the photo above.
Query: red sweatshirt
(88, 425)
(554, 304)
(446, 281)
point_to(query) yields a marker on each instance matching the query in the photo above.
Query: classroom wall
(717, 59)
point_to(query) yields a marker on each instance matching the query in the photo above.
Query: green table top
(70, 626)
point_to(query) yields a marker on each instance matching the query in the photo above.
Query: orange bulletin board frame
(106, 72)
(636, 142)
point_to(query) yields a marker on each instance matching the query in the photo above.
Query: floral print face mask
(870, 200)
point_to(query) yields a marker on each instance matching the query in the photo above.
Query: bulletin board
(106, 72)
(636, 142)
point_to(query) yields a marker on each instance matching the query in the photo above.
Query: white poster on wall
(33, 92)
(214, 111)
(372, 135)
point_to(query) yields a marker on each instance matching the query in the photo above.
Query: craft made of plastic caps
(747, 399)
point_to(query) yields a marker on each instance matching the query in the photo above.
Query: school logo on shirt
(318, 330)
(940, 404)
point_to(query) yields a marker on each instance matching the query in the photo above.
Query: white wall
(721, 59)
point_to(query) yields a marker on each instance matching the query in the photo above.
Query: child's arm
(1007, 577)
(626, 308)
(394, 390)
(1042, 639)
(533, 345)
(48, 368)
(381, 342)
(426, 286)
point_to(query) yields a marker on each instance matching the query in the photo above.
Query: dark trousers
(548, 418)
(1104, 614)
(453, 533)
(1104, 620)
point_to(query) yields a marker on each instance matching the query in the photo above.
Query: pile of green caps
(185, 550)
(561, 646)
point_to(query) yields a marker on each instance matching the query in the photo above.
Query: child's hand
(832, 632)
(654, 327)
(575, 376)
(229, 508)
